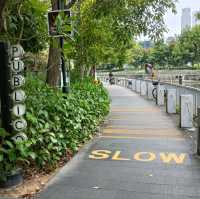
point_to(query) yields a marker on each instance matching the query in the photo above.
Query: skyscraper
(195, 21)
(186, 19)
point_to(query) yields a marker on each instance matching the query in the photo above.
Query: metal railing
(180, 89)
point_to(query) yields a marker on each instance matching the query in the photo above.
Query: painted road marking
(116, 156)
(142, 137)
(142, 131)
(146, 110)
(145, 156)
(164, 157)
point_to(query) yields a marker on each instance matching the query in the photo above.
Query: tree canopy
(104, 31)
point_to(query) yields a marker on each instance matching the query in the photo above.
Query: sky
(173, 22)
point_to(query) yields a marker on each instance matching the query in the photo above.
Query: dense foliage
(56, 123)
(183, 51)
(106, 29)
(26, 24)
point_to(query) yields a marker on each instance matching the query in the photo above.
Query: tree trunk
(2, 18)
(53, 66)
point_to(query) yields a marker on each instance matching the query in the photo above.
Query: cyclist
(111, 78)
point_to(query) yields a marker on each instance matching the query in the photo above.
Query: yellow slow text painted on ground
(164, 157)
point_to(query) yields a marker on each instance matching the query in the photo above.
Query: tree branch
(70, 4)
(2, 20)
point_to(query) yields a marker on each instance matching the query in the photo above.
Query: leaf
(9, 143)
(32, 155)
(3, 133)
(1, 157)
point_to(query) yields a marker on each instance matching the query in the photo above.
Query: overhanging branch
(70, 4)
(2, 22)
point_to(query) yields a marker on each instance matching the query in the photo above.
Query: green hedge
(56, 123)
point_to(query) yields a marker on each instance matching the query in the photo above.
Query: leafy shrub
(58, 122)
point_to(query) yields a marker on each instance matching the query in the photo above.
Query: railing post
(187, 110)
(171, 101)
(180, 79)
(133, 84)
(160, 101)
(143, 88)
(198, 136)
(138, 87)
(150, 90)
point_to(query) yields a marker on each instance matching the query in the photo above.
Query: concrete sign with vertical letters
(18, 96)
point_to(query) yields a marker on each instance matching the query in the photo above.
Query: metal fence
(135, 84)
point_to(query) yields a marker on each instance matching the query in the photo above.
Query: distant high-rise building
(170, 40)
(147, 44)
(195, 21)
(186, 19)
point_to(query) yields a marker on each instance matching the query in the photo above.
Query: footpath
(141, 154)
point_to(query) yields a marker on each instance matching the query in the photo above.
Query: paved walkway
(141, 154)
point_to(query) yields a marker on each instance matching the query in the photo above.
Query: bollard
(119, 82)
(186, 113)
(133, 84)
(160, 101)
(129, 84)
(171, 101)
(143, 88)
(198, 136)
(150, 90)
(180, 79)
(138, 86)
(123, 82)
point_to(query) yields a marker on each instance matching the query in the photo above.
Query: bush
(58, 122)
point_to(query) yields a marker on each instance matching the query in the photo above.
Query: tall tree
(53, 66)
(2, 17)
